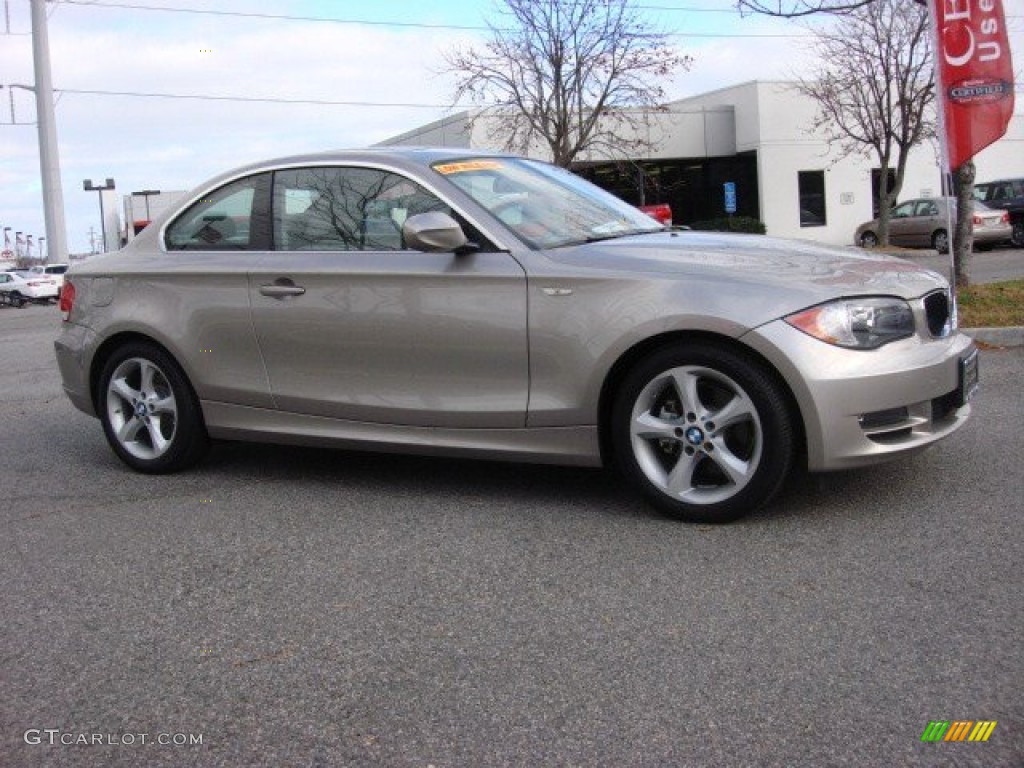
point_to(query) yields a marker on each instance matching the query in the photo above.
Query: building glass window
(876, 175)
(812, 198)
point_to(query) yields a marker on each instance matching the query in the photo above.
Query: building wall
(776, 121)
(1005, 158)
(453, 131)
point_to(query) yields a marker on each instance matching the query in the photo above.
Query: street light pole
(88, 186)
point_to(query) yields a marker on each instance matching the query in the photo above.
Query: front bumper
(864, 407)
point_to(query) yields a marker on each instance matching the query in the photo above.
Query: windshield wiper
(623, 233)
(598, 238)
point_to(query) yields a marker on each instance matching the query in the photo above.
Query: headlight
(857, 323)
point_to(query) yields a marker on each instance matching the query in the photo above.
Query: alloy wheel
(696, 435)
(141, 408)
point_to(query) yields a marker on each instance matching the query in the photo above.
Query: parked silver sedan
(924, 223)
(445, 302)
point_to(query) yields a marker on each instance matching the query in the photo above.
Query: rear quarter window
(232, 218)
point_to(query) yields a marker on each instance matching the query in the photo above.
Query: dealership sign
(975, 75)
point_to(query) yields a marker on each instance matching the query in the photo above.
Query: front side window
(345, 209)
(903, 211)
(812, 198)
(227, 219)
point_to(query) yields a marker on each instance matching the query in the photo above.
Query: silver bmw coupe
(449, 302)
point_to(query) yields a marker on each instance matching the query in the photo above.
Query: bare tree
(577, 75)
(964, 233)
(874, 89)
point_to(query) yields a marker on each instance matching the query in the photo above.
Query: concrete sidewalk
(1012, 336)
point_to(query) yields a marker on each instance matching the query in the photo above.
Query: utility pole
(46, 119)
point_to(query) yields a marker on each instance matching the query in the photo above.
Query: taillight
(67, 298)
(977, 220)
(1005, 218)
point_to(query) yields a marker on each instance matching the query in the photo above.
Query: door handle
(282, 288)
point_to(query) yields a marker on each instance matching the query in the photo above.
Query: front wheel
(704, 431)
(868, 240)
(150, 416)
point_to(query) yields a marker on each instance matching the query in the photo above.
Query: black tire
(940, 241)
(17, 300)
(150, 415)
(748, 459)
(1017, 238)
(868, 240)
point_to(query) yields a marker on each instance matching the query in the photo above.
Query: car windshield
(546, 206)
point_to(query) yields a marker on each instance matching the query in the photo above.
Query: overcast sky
(168, 143)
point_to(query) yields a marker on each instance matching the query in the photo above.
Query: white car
(56, 271)
(21, 286)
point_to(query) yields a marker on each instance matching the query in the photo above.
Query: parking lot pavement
(986, 266)
(321, 608)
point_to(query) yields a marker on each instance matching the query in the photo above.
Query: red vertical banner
(975, 75)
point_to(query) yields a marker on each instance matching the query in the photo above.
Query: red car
(661, 212)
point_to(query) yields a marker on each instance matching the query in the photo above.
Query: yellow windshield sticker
(468, 165)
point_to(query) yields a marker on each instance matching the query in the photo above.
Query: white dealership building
(760, 137)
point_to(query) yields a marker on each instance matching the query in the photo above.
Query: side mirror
(433, 232)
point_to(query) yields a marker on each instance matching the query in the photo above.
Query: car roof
(399, 156)
(414, 155)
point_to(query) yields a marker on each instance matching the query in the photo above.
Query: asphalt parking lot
(321, 608)
(986, 266)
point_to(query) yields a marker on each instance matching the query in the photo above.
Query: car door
(901, 223)
(197, 293)
(927, 220)
(353, 325)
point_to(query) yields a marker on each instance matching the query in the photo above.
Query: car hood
(804, 273)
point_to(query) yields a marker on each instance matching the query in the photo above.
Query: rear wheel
(150, 415)
(1018, 233)
(17, 300)
(940, 241)
(705, 432)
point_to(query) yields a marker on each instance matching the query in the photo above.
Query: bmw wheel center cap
(694, 436)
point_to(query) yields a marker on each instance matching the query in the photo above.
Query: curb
(1012, 336)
